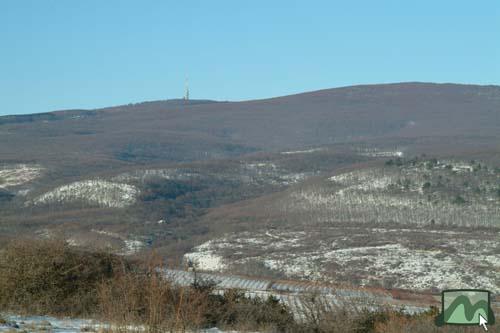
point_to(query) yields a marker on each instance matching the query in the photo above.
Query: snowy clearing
(99, 193)
(18, 174)
(385, 257)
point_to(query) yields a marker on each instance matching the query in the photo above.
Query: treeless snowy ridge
(99, 193)
(18, 174)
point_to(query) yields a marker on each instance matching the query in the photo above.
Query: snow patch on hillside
(460, 167)
(441, 192)
(205, 259)
(148, 174)
(92, 192)
(133, 246)
(419, 269)
(308, 151)
(391, 257)
(18, 174)
(270, 173)
(17, 323)
(365, 180)
(375, 152)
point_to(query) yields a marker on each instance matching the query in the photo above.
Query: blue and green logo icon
(466, 307)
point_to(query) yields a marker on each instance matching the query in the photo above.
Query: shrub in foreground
(153, 302)
(50, 277)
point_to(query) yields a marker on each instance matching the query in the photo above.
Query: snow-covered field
(95, 192)
(401, 258)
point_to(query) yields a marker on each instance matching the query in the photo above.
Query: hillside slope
(307, 169)
(176, 131)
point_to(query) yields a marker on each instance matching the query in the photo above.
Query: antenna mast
(186, 95)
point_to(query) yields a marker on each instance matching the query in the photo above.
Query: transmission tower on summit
(186, 94)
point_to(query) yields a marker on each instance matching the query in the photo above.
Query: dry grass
(153, 303)
(49, 277)
(144, 298)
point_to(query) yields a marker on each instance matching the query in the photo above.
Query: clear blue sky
(88, 54)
